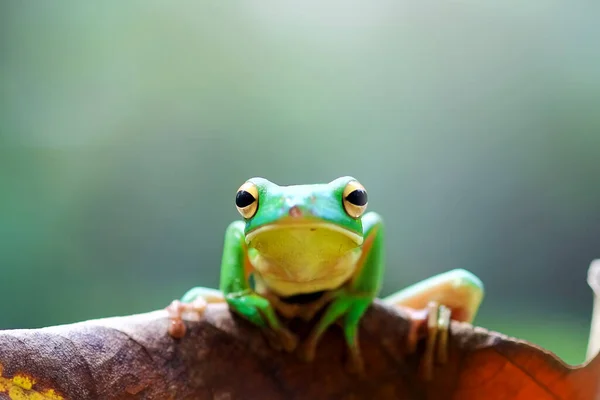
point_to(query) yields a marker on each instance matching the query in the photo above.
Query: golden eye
(355, 199)
(246, 200)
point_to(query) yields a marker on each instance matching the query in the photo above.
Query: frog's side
(301, 248)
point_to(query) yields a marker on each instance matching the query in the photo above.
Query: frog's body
(301, 248)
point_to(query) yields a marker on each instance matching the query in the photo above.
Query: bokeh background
(127, 127)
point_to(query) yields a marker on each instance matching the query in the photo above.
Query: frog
(307, 250)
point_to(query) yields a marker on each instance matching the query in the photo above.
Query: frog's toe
(417, 319)
(273, 339)
(443, 332)
(289, 341)
(199, 305)
(176, 328)
(426, 367)
(354, 362)
(176, 325)
(306, 351)
(281, 339)
(436, 350)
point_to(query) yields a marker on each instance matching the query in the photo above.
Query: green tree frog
(307, 249)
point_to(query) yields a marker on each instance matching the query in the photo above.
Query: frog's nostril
(295, 212)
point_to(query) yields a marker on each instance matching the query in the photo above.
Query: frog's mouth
(315, 227)
(303, 257)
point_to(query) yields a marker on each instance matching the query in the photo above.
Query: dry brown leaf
(223, 357)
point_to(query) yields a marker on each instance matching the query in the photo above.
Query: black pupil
(244, 199)
(358, 197)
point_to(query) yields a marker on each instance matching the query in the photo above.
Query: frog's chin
(299, 225)
(288, 288)
(304, 257)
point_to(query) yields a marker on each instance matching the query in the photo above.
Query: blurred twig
(594, 282)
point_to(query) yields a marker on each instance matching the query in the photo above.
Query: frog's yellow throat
(303, 257)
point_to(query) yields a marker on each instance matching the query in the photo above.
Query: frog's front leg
(433, 302)
(350, 302)
(241, 297)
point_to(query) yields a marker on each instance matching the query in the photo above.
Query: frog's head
(336, 206)
(303, 233)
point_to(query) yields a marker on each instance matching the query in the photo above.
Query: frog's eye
(355, 199)
(246, 200)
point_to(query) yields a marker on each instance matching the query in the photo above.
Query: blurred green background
(127, 127)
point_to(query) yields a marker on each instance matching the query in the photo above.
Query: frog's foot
(281, 339)
(346, 309)
(436, 318)
(177, 309)
(286, 310)
(307, 349)
(258, 310)
(193, 304)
